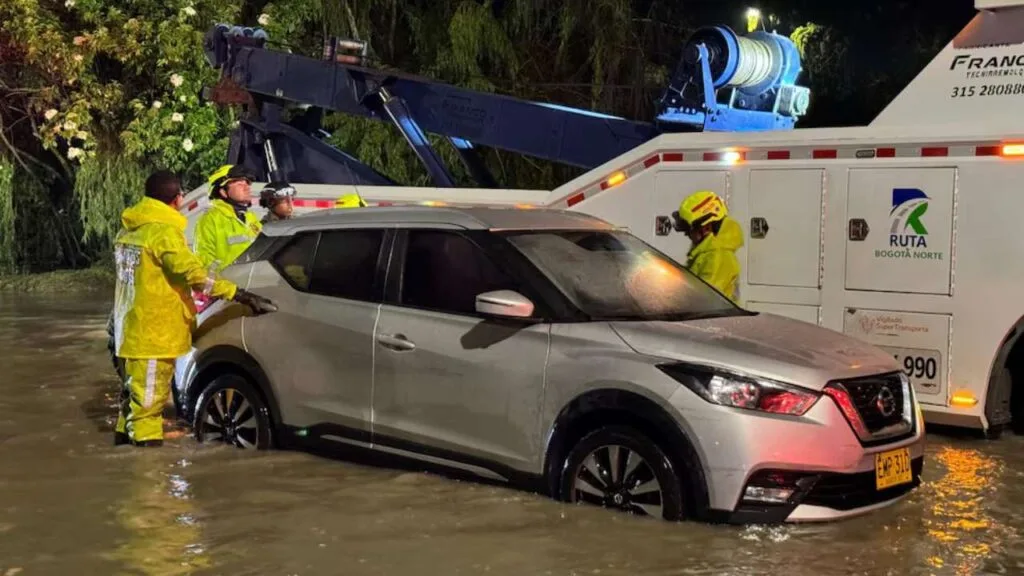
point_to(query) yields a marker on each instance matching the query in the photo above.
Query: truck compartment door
(784, 248)
(900, 230)
(670, 188)
(918, 341)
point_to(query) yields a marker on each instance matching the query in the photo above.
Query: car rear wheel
(619, 467)
(231, 411)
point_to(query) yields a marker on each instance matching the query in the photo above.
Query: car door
(319, 346)
(448, 382)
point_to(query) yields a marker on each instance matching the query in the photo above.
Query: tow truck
(904, 233)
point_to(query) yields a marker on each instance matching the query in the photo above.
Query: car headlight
(741, 391)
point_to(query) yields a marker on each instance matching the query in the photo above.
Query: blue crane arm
(558, 133)
(757, 72)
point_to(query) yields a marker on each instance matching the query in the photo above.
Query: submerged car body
(551, 349)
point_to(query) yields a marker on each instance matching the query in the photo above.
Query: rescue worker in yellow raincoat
(350, 201)
(227, 227)
(153, 308)
(715, 239)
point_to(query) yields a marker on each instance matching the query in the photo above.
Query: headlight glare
(749, 393)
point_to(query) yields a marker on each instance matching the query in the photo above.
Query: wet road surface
(70, 503)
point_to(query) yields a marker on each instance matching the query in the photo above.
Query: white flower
(157, 104)
(177, 117)
(74, 153)
(264, 19)
(50, 114)
(70, 126)
(187, 144)
(82, 135)
(77, 57)
(190, 11)
(182, 98)
(176, 80)
(69, 4)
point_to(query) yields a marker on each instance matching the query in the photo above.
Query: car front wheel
(618, 467)
(230, 410)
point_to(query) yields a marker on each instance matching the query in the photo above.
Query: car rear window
(345, 265)
(294, 261)
(258, 250)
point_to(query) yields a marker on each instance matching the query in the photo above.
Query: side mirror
(504, 303)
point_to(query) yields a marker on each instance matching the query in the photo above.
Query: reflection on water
(157, 512)
(70, 503)
(961, 511)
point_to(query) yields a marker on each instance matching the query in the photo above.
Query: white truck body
(906, 233)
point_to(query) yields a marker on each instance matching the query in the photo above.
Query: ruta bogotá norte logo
(908, 206)
(908, 235)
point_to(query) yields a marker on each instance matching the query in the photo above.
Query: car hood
(764, 345)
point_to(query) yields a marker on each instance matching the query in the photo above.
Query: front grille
(851, 491)
(871, 396)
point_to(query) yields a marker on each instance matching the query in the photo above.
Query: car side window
(257, 249)
(294, 261)
(445, 271)
(345, 265)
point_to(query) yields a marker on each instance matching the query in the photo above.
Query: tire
(234, 396)
(597, 485)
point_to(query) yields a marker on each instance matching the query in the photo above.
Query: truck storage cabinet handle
(662, 226)
(858, 229)
(758, 227)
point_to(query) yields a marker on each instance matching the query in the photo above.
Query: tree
(92, 92)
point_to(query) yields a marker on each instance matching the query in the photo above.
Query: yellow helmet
(219, 173)
(700, 208)
(225, 173)
(350, 201)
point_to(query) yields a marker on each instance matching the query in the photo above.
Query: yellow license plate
(892, 468)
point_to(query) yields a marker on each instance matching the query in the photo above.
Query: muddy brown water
(70, 503)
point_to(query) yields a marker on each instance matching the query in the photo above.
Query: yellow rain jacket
(221, 237)
(153, 308)
(714, 259)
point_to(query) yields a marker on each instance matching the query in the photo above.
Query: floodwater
(70, 503)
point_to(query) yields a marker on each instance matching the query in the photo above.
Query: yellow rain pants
(147, 385)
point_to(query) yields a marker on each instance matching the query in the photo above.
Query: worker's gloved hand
(257, 303)
(678, 224)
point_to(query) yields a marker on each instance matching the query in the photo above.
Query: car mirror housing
(504, 304)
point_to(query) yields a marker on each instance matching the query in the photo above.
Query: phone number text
(1008, 89)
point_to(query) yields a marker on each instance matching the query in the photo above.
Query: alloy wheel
(617, 477)
(229, 417)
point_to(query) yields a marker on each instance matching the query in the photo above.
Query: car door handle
(395, 342)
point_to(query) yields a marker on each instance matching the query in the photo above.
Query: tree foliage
(95, 91)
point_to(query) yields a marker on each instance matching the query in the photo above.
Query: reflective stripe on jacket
(221, 237)
(153, 307)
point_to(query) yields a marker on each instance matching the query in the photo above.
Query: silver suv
(551, 350)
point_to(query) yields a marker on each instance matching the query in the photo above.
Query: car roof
(470, 218)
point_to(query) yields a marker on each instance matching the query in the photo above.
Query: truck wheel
(618, 467)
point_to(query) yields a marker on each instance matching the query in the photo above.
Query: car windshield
(612, 275)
